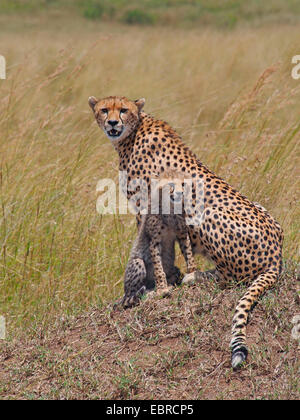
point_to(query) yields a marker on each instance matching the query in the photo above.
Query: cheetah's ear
(93, 102)
(140, 103)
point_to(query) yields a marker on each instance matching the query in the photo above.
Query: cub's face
(117, 116)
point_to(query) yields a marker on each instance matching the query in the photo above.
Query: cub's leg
(186, 249)
(162, 287)
(173, 273)
(134, 282)
(142, 271)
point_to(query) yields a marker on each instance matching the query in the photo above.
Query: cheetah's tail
(238, 345)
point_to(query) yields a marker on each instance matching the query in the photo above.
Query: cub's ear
(93, 102)
(140, 103)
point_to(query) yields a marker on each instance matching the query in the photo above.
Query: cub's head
(116, 115)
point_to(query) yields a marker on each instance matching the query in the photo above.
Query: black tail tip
(239, 356)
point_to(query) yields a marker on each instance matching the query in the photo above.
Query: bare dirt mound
(170, 348)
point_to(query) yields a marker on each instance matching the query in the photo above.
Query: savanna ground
(229, 93)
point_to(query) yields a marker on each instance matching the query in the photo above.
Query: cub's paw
(128, 301)
(161, 293)
(190, 278)
(164, 292)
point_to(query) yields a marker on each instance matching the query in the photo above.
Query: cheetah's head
(116, 115)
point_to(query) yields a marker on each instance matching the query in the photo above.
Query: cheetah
(242, 239)
(152, 257)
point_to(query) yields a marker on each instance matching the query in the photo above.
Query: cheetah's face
(117, 116)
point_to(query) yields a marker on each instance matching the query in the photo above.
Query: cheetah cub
(151, 261)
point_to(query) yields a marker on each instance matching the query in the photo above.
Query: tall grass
(237, 110)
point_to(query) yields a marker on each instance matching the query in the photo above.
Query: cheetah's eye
(123, 110)
(104, 110)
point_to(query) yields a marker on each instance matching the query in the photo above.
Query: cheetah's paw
(164, 292)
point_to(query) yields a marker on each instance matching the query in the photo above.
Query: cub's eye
(104, 110)
(123, 110)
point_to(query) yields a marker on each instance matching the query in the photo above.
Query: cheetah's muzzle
(115, 133)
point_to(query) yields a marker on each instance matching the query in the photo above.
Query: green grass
(220, 13)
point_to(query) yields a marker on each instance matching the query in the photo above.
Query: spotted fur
(241, 238)
(152, 257)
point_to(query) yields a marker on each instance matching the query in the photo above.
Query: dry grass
(57, 255)
(175, 348)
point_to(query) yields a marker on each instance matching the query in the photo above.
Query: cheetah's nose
(113, 122)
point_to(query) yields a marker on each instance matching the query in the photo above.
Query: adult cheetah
(242, 239)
